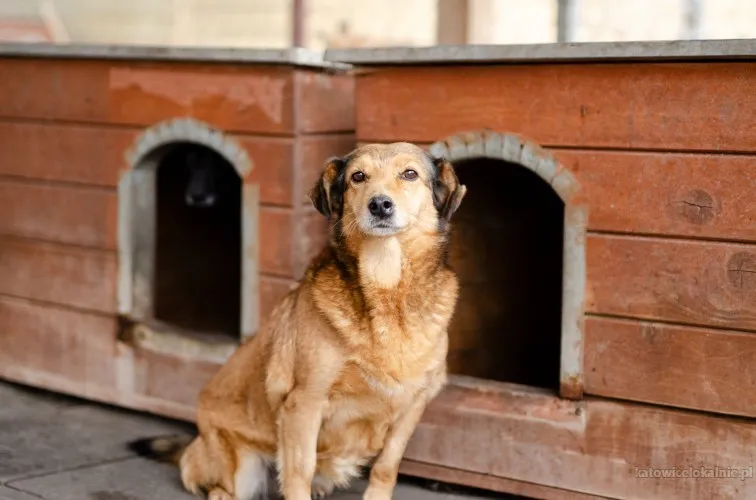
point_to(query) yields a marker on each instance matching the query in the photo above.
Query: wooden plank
(75, 215)
(683, 106)
(688, 367)
(243, 98)
(77, 353)
(488, 482)
(87, 217)
(70, 344)
(692, 195)
(325, 102)
(68, 153)
(91, 154)
(73, 276)
(312, 156)
(691, 282)
(272, 290)
(592, 447)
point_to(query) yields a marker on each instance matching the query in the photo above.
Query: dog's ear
(447, 191)
(327, 193)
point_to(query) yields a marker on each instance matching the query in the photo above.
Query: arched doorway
(518, 246)
(188, 234)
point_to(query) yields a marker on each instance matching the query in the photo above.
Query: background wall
(349, 23)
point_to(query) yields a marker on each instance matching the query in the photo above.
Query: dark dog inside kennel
(198, 259)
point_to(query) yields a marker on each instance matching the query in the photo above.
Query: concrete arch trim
(188, 130)
(137, 199)
(516, 149)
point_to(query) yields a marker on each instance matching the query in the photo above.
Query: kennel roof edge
(294, 56)
(550, 52)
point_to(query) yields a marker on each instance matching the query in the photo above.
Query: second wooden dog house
(604, 341)
(154, 209)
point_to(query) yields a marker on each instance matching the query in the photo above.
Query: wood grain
(88, 154)
(72, 276)
(325, 102)
(683, 106)
(314, 151)
(87, 217)
(591, 447)
(66, 214)
(246, 98)
(697, 368)
(691, 282)
(70, 344)
(691, 195)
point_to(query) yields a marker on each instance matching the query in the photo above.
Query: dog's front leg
(385, 470)
(300, 418)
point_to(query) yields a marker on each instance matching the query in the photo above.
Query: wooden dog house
(604, 342)
(118, 280)
(604, 346)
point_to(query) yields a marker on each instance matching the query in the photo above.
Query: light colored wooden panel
(697, 368)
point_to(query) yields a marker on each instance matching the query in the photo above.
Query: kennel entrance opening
(188, 240)
(197, 280)
(506, 248)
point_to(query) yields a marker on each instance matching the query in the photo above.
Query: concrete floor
(59, 448)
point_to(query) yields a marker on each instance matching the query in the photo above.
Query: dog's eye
(358, 177)
(409, 175)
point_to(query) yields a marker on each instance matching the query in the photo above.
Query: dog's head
(386, 189)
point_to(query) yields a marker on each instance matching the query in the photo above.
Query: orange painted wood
(697, 368)
(247, 98)
(314, 152)
(72, 276)
(684, 106)
(325, 102)
(69, 153)
(488, 482)
(89, 154)
(591, 447)
(272, 290)
(691, 195)
(86, 216)
(692, 282)
(76, 346)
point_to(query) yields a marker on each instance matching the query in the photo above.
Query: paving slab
(58, 448)
(140, 479)
(11, 494)
(64, 435)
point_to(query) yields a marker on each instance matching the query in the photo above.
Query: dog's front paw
(321, 488)
(374, 493)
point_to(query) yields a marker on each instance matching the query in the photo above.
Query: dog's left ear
(327, 194)
(447, 191)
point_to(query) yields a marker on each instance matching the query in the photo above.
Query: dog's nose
(381, 206)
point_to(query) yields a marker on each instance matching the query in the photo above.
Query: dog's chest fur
(393, 316)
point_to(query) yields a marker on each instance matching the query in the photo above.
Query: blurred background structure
(320, 24)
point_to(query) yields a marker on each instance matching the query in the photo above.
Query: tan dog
(348, 361)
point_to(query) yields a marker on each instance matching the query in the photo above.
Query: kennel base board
(496, 436)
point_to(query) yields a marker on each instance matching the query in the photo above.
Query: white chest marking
(381, 261)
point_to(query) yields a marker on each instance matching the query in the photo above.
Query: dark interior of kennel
(198, 249)
(507, 250)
